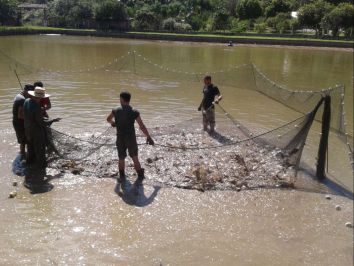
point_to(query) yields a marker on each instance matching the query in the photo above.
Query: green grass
(235, 37)
(29, 28)
(42, 28)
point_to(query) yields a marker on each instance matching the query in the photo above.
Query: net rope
(285, 142)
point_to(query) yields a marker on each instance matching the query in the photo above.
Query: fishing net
(185, 156)
(238, 155)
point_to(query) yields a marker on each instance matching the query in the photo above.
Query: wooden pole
(323, 146)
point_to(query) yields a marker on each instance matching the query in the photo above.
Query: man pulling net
(207, 105)
(123, 118)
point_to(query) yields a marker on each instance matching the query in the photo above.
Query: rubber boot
(121, 178)
(141, 176)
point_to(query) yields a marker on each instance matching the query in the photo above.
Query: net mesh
(185, 156)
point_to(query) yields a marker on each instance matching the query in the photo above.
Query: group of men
(30, 121)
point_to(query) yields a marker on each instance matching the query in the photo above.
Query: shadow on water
(20, 168)
(334, 186)
(135, 196)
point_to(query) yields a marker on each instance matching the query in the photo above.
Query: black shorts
(125, 143)
(20, 132)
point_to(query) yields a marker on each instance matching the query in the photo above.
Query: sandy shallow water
(84, 221)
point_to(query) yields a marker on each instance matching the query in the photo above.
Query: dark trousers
(36, 156)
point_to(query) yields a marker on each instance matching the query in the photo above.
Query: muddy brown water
(83, 220)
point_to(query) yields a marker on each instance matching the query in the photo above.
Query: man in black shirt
(17, 117)
(206, 106)
(123, 118)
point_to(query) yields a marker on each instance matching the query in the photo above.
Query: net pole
(134, 62)
(323, 146)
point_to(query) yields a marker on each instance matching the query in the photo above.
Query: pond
(85, 75)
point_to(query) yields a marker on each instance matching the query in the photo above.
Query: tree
(221, 20)
(145, 19)
(249, 9)
(8, 12)
(311, 15)
(277, 6)
(110, 14)
(341, 17)
(111, 10)
(81, 14)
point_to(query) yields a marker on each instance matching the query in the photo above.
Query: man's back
(125, 117)
(31, 110)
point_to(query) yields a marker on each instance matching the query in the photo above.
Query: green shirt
(124, 117)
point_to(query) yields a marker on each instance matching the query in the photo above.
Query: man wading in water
(124, 119)
(17, 118)
(35, 128)
(207, 105)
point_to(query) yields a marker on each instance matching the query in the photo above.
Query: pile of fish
(190, 160)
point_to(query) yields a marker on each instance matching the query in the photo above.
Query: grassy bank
(193, 37)
(249, 36)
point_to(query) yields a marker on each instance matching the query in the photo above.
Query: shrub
(260, 27)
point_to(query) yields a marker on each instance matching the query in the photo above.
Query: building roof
(33, 6)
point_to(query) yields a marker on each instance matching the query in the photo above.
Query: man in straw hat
(35, 130)
(17, 117)
(123, 118)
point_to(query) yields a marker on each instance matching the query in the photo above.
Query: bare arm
(142, 127)
(110, 118)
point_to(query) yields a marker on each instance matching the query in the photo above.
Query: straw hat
(39, 93)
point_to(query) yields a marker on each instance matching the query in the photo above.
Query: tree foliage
(311, 15)
(249, 9)
(335, 16)
(8, 12)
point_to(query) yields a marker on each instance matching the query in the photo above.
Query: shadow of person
(36, 181)
(18, 166)
(220, 138)
(135, 196)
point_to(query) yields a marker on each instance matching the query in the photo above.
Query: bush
(240, 26)
(260, 27)
(169, 24)
(183, 26)
(282, 22)
(221, 20)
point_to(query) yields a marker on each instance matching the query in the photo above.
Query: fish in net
(187, 157)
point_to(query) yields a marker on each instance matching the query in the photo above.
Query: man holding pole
(207, 105)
